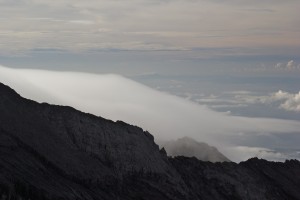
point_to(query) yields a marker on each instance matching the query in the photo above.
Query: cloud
(239, 92)
(292, 103)
(280, 95)
(82, 22)
(278, 66)
(170, 24)
(287, 101)
(118, 98)
(289, 66)
(229, 106)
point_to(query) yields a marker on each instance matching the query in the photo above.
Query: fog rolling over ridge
(165, 116)
(57, 152)
(191, 148)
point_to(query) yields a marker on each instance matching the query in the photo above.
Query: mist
(165, 116)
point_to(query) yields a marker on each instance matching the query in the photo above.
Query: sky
(131, 37)
(235, 59)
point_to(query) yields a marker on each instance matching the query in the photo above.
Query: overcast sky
(236, 58)
(78, 26)
(131, 36)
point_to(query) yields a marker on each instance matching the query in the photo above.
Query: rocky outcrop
(189, 147)
(57, 152)
(253, 179)
(63, 153)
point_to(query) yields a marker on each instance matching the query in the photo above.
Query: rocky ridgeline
(57, 152)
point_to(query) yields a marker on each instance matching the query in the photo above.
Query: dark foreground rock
(57, 152)
(253, 179)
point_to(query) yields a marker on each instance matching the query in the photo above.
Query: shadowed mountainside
(57, 152)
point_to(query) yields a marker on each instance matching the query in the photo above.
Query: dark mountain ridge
(57, 152)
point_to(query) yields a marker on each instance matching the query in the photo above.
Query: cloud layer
(165, 116)
(286, 100)
(75, 25)
(291, 102)
(289, 66)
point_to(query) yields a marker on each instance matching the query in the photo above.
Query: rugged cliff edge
(57, 152)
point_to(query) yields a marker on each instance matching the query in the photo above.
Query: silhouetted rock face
(60, 152)
(191, 148)
(253, 179)
(56, 152)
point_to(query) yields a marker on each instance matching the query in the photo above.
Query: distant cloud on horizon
(287, 101)
(78, 26)
(289, 66)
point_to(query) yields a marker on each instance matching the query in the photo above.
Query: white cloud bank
(289, 66)
(117, 98)
(292, 103)
(287, 101)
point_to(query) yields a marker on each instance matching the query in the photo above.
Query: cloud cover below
(287, 101)
(165, 116)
